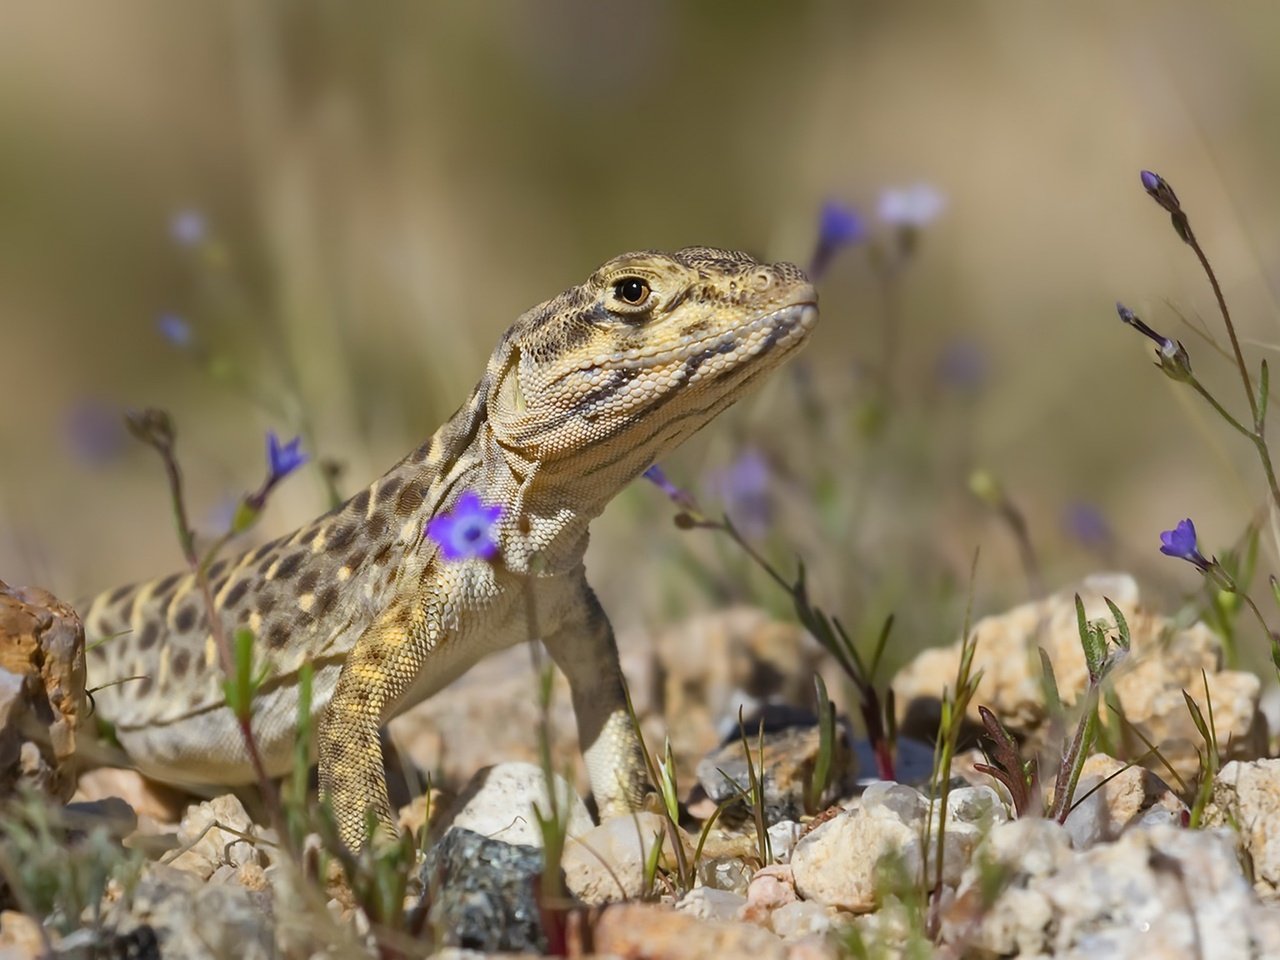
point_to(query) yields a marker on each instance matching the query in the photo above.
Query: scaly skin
(583, 393)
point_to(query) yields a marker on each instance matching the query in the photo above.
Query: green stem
(1222, 411)
(1256, 612)
(1231, 327)
(1253, 436)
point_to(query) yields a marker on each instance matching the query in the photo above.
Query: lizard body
(583, 393)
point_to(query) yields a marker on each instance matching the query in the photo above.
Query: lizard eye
(632, 291)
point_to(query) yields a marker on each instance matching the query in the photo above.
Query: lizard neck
(543, 528)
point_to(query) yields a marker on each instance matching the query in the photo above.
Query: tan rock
(607, 863)
(785, 762)
(1111, 797)
(839, 863)
(714, 663)
(148, 798)
(812, 946)
(488, 717)
(1163, 662)
(855, 857)
(424, 811)
(20, 937)
(42, 693)
(1246, 799)
(212, 835)
(636, 931)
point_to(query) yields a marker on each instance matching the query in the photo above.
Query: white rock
(607, 863)
(1111, 799)
(980, 806)
(1246, 796)
(837, 863)
(708, 903)
(897, 800)
(204, 845)
(1019, 852)
(840, 861)
(498, 803)
(802, 918)
(783, 837)
(1160, 892)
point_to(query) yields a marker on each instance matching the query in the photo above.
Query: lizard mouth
(782, 327)
(778, 332)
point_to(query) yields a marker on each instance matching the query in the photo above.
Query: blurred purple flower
(175, 329)
(838, 227)
(468, 531)
(222, 514)
(962, 364)
(1087, 525)
(1171, 355)
(914, 206)
(1158, 189)
(188, 228)
(1180, 542)
(283, 460)
(743, 488)
(681, 498)
(95, 431)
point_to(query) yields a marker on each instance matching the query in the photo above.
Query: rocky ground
(1154, 860)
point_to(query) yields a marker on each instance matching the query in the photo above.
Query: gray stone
(483, 894)
(195, 921)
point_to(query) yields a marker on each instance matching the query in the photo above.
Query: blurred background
(318, 218)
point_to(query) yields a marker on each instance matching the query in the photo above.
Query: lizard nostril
(762, 279)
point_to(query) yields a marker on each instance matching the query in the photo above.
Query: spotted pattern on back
(305, 596)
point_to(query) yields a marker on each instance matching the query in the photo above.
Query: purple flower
(188, 228)
(743, 486)
(912, 207)
(1086, 524)
(282, 460)
(1158, 189)
(681, 498)
(95, 431)
(838, 227)
(962, 364)
(175, 329)
(1180, 542)
(469, 530)
(1171, 355)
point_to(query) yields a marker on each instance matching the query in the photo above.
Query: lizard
(583, 393)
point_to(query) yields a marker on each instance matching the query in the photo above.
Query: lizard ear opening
(507, 396)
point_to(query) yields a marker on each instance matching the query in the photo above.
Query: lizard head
(616, 371)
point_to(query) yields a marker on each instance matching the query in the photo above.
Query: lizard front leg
(379, 669)
(584, 648)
